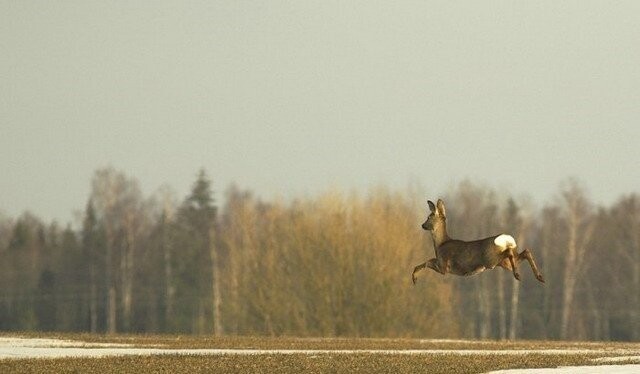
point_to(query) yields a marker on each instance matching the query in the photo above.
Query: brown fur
(468, 258)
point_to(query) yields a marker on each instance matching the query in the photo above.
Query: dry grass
(301, 363)
(251, 342)
(358, 363)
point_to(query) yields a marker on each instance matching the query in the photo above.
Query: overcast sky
(298, 97)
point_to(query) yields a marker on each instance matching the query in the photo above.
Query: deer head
(437, 218)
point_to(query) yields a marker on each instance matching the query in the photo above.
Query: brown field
(312, 363)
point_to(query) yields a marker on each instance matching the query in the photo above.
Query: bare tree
(237, 236)
(577, 212)
(215, 281)
(625, 235)
(117, 202)
(515, 221)
(167, 203)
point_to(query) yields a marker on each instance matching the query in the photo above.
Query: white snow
(505, 241)
(609, 369)
(457, 341)
(39, 342)
(616, 359)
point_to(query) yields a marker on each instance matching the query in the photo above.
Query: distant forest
(336, 264)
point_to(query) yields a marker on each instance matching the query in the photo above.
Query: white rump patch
(505, 241)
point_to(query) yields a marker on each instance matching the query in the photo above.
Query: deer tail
(505, 242)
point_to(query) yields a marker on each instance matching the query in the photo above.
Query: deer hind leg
(513, 261)
(526, 254)
(510, 261)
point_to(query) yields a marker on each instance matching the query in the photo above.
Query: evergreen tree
(197, 222)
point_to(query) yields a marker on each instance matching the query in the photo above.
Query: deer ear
(432, 206)
(441, 208)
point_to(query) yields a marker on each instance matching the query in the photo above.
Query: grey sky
(294, 98)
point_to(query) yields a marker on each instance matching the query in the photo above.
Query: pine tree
(199, 214)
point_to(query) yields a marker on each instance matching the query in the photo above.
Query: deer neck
(439, 235)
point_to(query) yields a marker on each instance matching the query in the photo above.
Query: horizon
(76, 213)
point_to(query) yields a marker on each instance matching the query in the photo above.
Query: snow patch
(48, 343)
(609, 369)
(24, 348)
(617, 359)
(459, 341)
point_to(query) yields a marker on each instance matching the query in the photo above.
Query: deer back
(472, 257)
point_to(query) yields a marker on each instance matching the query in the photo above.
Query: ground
(175, 354)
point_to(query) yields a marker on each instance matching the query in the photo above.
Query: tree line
(336, 264)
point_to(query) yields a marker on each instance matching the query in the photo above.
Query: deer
(467, 258)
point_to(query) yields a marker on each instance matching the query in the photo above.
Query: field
(182, 354)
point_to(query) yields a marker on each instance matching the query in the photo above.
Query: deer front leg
(431, 264)
(417, 269)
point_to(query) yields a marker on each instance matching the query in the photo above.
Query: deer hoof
(516, 275)
(413, 279)
(540, 278)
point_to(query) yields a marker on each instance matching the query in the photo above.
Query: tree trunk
(124, 303)
(513, 318)
(569, 277)
(215, 287)
(127, 280)
(606, 330)
(502, 310)
(127, 301)
(111, 290)
(635, 298)
(200, 318)
(593, 319)
(93, 300)
(567, 301)
(111, 310)
(484, 314)
(170, 289)
(515, 294)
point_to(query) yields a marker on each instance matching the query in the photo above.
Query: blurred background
(263, 168)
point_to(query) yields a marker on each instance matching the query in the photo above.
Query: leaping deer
(468, 258)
